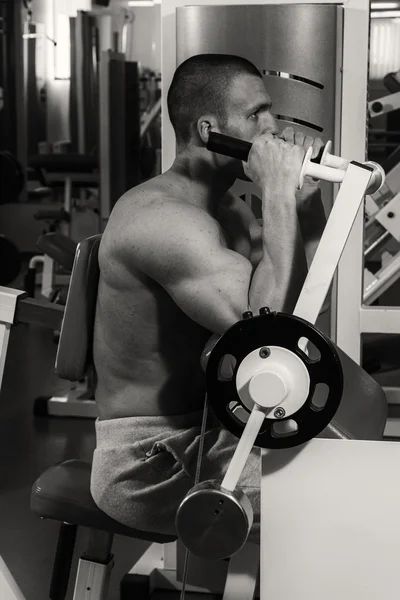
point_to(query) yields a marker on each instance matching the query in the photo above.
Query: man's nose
(270, 125)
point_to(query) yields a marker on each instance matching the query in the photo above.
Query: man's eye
(254, 115)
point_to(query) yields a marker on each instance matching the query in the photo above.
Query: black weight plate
(276, 329)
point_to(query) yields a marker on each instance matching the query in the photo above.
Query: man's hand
(299, 139)
(310, 185)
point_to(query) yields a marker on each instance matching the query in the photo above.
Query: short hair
(199, 86)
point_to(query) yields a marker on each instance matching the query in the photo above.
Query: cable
(196, 481)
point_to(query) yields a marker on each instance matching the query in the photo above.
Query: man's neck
(204, 184)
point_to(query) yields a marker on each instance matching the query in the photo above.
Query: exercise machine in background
(382, 252)
(382, 222)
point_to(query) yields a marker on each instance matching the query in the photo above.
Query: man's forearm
(279, 276)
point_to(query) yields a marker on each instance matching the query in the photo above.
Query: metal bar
(243, 448)
(379, 320)
(351, 124)
(377, 245)
(36, 312)
(92, 580)
(243, 571)
(332, 243)
(149, 117)
(384, 105)
(63, 560)
(383, 280)
(65, 406)
(384, 132)
(99, 547)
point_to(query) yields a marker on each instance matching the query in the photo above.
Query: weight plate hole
(320, 396)
(238, 412)
(309, 351)
(283, 429)
(226, 367)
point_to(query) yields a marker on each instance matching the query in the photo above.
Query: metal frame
(234, 580)
(384, 105)
(349, 316)
(78, 402)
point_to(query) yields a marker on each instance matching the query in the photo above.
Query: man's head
(218, 92)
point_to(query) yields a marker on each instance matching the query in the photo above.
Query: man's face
(248, 113)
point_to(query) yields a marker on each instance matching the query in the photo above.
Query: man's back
(146, 350)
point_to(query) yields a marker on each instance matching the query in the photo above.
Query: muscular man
(181, 259)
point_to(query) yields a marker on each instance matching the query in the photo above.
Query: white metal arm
(312, 296)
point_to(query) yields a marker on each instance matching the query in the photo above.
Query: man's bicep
(215, 300)
(209, 282)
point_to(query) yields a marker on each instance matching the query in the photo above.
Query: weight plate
(276, 329)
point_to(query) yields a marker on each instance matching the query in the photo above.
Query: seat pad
(63, 493)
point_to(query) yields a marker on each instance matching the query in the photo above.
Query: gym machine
(318, 85)
(270, 340)
(272, 399)
(381, 207)
(382, 238)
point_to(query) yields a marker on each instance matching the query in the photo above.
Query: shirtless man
(181, 259)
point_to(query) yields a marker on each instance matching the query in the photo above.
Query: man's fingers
(299, 138)
(317, 145)
(288, 135)
(308, 143)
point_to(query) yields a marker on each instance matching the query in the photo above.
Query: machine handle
(228, 146)
(240, 149)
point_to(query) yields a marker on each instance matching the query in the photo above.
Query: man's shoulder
(152, 197)
(150, 213)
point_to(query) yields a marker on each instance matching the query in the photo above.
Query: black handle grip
(228, 146)
(235, 148)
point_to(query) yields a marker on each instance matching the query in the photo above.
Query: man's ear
(206, 124)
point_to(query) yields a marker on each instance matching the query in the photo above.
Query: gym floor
(28, 446)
